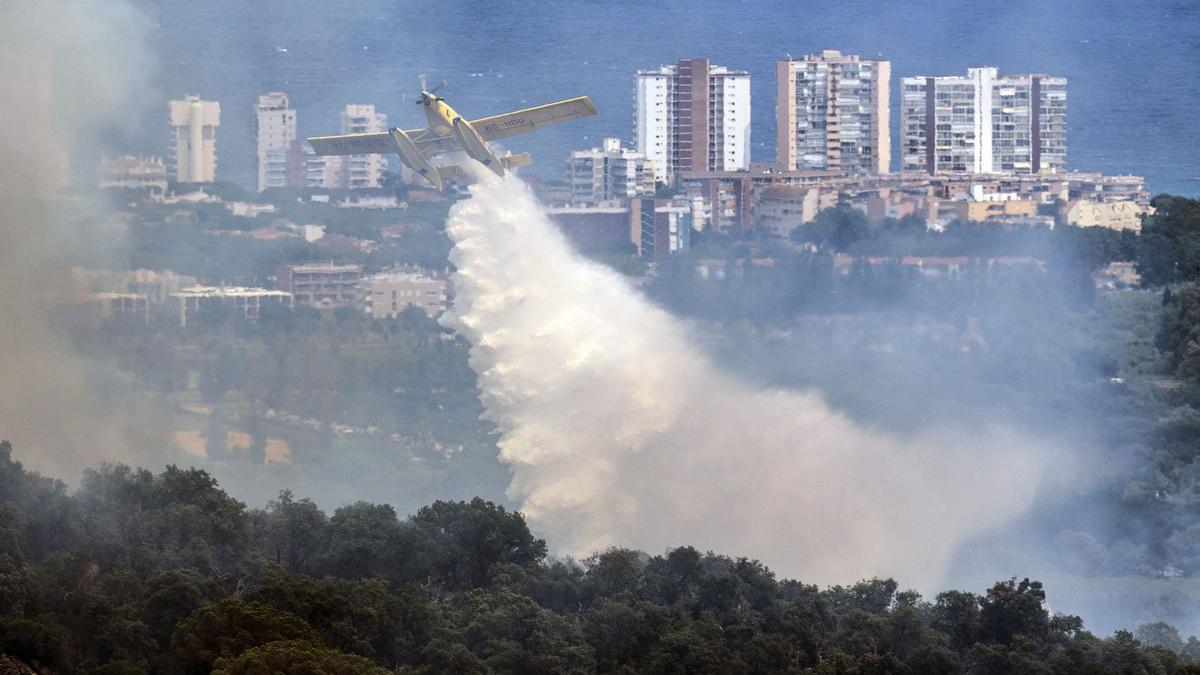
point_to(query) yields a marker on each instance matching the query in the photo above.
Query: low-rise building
(992, 209)
(1099, 187)
(321, 284)
(783, 208)
(386, 295)
(136, 173)
(248, 209)
(1117, 276)
(247, 301)
(134, 305)
(891, 203)
(154, 285)
(312, 232)
(660, 227)
(935, 267)
(372, 202)
(781, 200)
(1115, 215)
(730, 199)
(593, 229)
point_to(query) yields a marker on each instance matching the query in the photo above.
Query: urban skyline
(837, 118)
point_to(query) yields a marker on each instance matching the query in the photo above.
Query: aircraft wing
(378, 143)
(530, 119)
(353, 144)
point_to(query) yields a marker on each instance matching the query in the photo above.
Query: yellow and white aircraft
(448, 131)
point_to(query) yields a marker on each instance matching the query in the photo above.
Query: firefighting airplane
(448, 131)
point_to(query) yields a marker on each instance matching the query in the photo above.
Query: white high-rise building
(192, 154)
(274, 130)
(984, 123)
(363, 171)
(609, 173)
(831, 113)
(693, 117)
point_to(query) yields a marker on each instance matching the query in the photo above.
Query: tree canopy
(165, 573)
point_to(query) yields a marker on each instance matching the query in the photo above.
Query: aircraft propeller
(427, 94)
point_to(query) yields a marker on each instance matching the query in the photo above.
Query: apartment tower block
(693, 117)
(984, 123)
(192, 152)
(363, 171)
(274, 131)
(831, 113)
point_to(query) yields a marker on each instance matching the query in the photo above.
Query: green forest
(141, 573)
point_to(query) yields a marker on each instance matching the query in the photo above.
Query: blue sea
(1134, 78)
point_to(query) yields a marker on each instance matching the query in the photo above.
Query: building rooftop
(228, 292)
(402, 276)
(130, 165)
(326, 267)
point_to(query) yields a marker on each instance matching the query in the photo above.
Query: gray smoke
(621, 432)
(71, 72)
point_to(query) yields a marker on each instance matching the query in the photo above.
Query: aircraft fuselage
(445, 121)
(440, 118)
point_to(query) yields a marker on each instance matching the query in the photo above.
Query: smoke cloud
(622, 432)
(71, 71)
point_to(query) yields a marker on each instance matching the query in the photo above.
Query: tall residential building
(609, 172)
(295, 163)
(192, 155)
(831, 113)
(693, 116)
(985, 123)
(363, 171)
(274, 130)
(304, 168)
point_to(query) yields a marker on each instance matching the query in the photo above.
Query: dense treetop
(136, 572)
